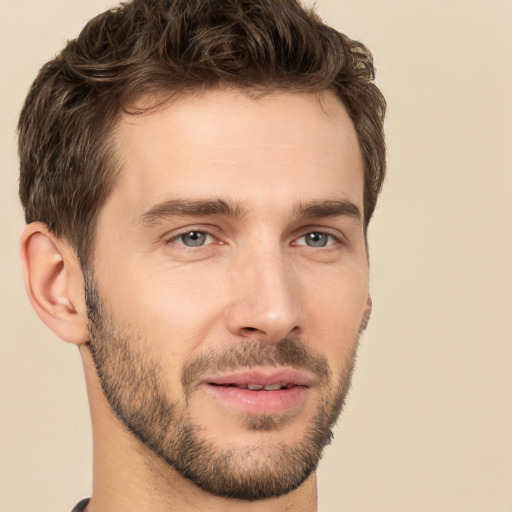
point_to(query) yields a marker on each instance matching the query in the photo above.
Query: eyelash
(334, 240)
(174, 238)
(331, 239)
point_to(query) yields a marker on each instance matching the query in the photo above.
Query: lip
(231, 389)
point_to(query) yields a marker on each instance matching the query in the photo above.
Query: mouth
(261, 392)
(257, 387)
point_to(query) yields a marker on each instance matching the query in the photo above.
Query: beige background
(429, 420)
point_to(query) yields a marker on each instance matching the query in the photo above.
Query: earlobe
(54, 283)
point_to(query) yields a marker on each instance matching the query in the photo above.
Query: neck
(129, 477)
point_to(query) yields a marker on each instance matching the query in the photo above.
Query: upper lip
(262, 377)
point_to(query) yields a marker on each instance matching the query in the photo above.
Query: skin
(255, 279)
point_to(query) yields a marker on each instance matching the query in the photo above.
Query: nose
(266, 305)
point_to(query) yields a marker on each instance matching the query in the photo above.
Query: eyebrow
(188, 208)
(204, 208)
(339, 208)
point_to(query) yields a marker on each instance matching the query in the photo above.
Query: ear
(366, 315)
(54, 282)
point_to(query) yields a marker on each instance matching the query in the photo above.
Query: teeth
(272, 387)
(258, 387)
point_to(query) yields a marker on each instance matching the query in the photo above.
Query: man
(198, 178)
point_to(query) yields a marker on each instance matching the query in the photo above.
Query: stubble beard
(135, 388)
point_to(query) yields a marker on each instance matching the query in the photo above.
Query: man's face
(230, 281)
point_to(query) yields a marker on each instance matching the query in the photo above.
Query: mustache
(289, 352)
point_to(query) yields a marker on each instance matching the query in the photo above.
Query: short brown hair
(145, 47)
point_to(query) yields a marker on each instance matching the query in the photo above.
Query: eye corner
(317, 239)
(191, 238)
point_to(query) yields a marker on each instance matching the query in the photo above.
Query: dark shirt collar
(80, 506)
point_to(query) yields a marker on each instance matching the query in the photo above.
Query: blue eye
(193, 239)
(316, 239)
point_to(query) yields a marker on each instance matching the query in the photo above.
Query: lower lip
(260, 402)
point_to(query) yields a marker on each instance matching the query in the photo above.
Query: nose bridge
(266, 302)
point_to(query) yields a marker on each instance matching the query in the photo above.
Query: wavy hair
(167, 48)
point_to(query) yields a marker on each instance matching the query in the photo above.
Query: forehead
(226, 143)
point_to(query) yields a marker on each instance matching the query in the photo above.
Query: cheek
(335, 310)
(173, 309)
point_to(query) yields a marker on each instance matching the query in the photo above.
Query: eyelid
(335, 232)
(171, 237)
(208, 239)
(335, 239)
